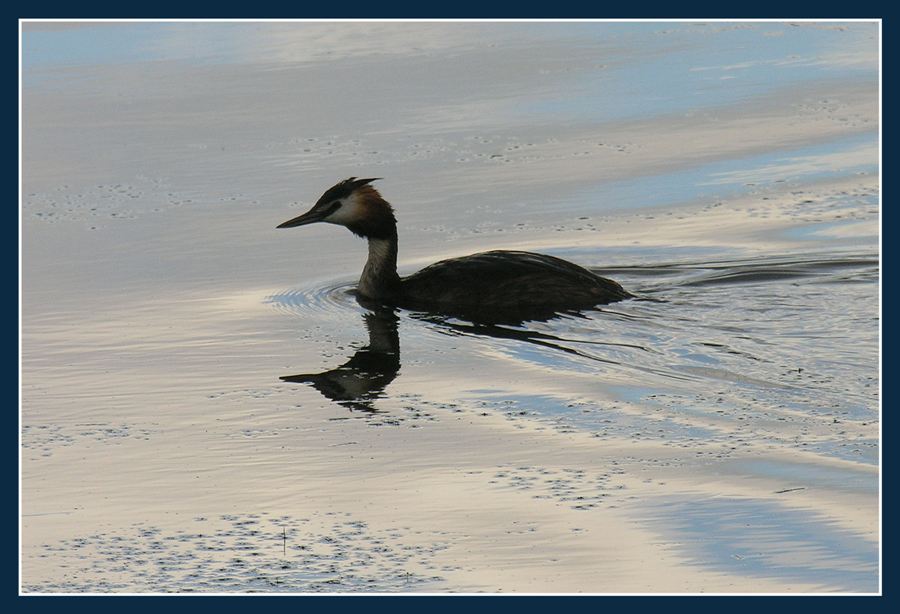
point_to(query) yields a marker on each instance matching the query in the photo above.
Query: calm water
(206, 407)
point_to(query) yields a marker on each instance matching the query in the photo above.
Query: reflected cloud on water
(764, 539)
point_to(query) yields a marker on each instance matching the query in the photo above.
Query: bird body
(508, 280)
(493, 285)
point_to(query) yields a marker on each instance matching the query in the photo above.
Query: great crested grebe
(491, 285)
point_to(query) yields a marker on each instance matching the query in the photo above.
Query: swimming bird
(490, 286)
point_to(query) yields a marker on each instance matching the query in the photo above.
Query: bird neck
(379, 278)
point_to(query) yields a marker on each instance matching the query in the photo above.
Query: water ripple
(726, 348)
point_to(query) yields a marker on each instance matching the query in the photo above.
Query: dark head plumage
(345, 188)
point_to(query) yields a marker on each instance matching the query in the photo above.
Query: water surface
(207, 408)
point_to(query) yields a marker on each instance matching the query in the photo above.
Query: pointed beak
(310, 217)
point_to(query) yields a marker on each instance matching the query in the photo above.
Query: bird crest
(346, 187)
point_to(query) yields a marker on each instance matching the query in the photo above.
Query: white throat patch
(351, 210)
(381, 262)
(379, 251)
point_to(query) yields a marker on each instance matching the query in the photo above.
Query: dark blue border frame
(13, 602)
(460, 9)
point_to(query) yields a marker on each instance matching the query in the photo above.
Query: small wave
(325, 301)
(824, 269)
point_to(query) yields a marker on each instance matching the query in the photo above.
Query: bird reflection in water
(362, 379)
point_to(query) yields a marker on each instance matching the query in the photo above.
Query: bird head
(354, 204)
